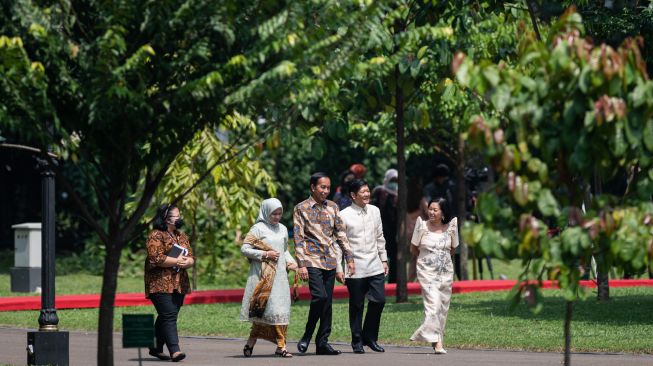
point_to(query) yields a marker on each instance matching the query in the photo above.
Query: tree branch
(532, 9)
(83, 208)
(28, 148)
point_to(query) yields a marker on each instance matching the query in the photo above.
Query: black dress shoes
(302, 346)
(358, 348)
(327, 350)
(375, 347)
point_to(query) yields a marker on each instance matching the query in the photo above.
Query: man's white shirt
(365, 235)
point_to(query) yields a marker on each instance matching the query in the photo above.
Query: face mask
(393, 186)
(179, 223)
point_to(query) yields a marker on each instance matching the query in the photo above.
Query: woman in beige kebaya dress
(434, 242)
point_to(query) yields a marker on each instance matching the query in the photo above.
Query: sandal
(247, 350)
(439, 351)
(179, 356)
(160, 355)
(283, 353)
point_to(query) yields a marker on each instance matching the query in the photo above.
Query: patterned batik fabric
(273, 333)
(318, 229)
(277, 307)
(263, 288)
(160, 279)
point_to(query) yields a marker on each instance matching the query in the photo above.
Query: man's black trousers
(373, 287)
(320, 282)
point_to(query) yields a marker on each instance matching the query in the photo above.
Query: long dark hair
(162, 214)
(444, 207)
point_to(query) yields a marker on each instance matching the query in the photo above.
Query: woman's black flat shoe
(160, 355)
(247, 350)
(180, 356)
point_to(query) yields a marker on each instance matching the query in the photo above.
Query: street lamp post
(48, 346)
(48, 318)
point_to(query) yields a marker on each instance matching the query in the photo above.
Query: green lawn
(83, 283)
(477, 320)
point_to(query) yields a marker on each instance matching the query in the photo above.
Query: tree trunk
(107, 300)
(532, 10)
(402, 249)
(601, 268)
(460, 204)
(193, 246)
(602, 277)
(570, 308)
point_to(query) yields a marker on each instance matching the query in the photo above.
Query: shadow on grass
(619, 310)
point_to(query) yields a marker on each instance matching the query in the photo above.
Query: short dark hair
(162, 214)
(356, 185)
(444, 207)
(441, 170)
(315, 177)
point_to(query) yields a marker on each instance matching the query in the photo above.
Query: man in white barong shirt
(365, 235)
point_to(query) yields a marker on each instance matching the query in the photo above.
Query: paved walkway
(225, 351)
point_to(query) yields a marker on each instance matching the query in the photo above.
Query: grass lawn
(476, 320)
(84, 283)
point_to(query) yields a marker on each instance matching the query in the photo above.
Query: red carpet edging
(236, 295)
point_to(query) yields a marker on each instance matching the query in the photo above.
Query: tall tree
(568, 111)
(224, 202)
(119, 88)
(414, 49)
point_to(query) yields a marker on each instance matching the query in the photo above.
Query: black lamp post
(48, 346)
(48, 319)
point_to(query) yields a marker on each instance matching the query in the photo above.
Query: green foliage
(222, 207)
(436, 109)
(570, 113)
(119, 89)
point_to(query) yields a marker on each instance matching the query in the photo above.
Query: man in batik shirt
(318, 229)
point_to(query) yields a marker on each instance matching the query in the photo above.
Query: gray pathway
(224, 351)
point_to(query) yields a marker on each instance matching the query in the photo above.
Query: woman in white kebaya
(266, 302)
(434, 242)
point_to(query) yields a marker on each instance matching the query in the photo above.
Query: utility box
(26, 273)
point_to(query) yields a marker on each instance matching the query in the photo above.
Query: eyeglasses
(165, 214)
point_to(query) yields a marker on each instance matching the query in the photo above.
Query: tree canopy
(569, 116)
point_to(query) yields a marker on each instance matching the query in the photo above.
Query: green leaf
(618, 140)
(501, 97)
(574, 240)
(318, 147)
(633, 132)
(422, 52)
(648, 135)
(491, 75)
(547, 204)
